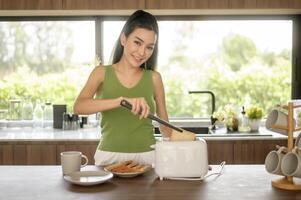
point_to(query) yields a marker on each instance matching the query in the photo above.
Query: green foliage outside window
(238, 74)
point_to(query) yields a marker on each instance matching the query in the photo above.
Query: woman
(127, 135)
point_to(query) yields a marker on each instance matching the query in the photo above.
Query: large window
(242, 62)
(46, 60)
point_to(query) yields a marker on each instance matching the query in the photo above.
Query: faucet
(213, 120)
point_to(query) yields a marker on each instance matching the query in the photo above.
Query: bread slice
(128, 166)
(182, 136)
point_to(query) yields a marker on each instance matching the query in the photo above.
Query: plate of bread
(127, 168)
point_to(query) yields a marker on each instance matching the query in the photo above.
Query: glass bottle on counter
(243, 122)
(66, 121)
(48, 115)
(27, 113)
(74, 122)
(38, 115)
(27, 109)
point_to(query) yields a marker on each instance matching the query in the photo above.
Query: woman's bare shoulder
(100, 69)
(156, 76)
(98, 72)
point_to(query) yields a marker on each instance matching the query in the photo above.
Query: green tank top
(121, 130)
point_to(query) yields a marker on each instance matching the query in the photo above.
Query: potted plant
(254, 115)
(228, 116)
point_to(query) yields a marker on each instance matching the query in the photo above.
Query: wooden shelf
(288, 182)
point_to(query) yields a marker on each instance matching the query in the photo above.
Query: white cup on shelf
(277, 118)
(273, 161)
(291, 163)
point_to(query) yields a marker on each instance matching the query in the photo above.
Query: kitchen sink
(205, 132)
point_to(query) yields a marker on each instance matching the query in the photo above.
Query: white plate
(130, 174)
(88, 177)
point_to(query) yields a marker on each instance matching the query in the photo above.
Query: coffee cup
(71, 161)
(277, 118)
(273, 161)
(291, 163)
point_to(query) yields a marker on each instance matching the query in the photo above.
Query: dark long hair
(139, 19)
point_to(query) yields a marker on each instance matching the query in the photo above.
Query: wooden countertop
(241, 182)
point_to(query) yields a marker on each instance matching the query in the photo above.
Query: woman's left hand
(139, 106)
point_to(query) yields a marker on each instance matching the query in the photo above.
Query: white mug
(291, 163)
(273, 161)
(71, 161)
(277, 117)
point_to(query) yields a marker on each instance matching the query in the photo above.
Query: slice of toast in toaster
(184, 136)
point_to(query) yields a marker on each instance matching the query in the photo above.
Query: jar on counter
(48, 115)
(15, 109)
(74, 122)
(66, 121)
(38, 115)
(27, 109)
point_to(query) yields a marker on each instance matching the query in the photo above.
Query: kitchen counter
(94, 134)
(27, 146)
(237, 182)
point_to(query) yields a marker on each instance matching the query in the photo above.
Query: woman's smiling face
(138, 46)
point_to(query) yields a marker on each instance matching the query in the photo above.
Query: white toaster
(181, 159)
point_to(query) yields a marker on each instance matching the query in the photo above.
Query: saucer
(86, 178)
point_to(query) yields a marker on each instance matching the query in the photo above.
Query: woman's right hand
(139, 106)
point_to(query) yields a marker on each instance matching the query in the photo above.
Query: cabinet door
(254, 151)
(41, 154)
(219, 151)
(6, 154)
(20, 155)
(244, 151)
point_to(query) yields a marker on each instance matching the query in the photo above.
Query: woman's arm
(160, 102)
(85, 102)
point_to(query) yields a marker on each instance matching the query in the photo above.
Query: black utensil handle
(161, 121)
(127, 105)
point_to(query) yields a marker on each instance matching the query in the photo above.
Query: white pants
(103, 158)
